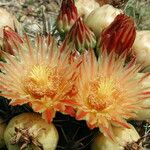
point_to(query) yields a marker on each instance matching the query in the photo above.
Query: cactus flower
(67, 16)
(38, 74)
(80, 36)
(119, 36)
(108, 92)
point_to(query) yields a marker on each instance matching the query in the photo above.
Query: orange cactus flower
(67, 16)
(39, 74)
(108, 92)
(119, 36)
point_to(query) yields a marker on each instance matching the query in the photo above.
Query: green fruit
(2, 129)
(29, 131)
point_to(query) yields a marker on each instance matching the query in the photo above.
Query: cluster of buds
(79, 35)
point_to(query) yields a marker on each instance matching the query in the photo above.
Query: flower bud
(80, 36)
(85, 8)
(123, 138)
(67, 16)
(9, 36)
(30, 131)
(119, 36)
(101, 18)
(141, 47)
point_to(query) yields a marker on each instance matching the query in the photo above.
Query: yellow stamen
(103, 93)
(40, 81)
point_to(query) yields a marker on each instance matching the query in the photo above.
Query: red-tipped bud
(119, 36)
(67, 16)
(9, 36)
(80, 36)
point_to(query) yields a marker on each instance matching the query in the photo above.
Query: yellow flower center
(103, 93)
(41, 81)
